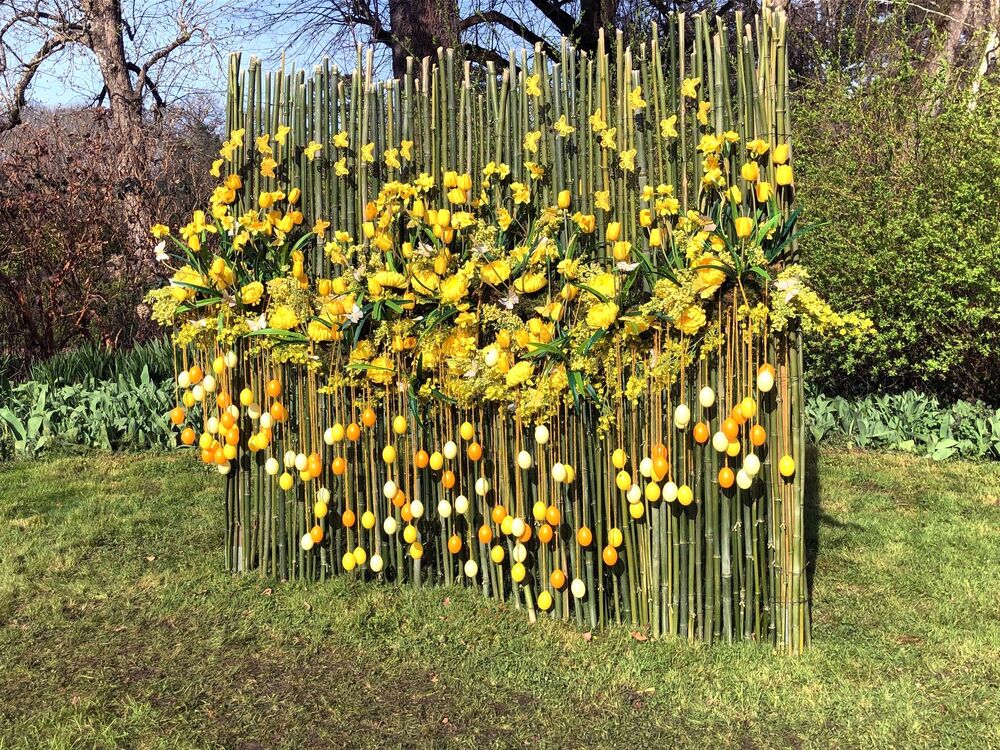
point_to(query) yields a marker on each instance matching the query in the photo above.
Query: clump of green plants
(910, 422)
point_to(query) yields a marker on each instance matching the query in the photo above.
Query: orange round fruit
(610, 556)
(353, 432)
(552, 515)
(726, 477)
(420, 459)
(368, 417)
(701, 433)
(475, 451)
(758, 435)
(454, 544)
(188, 436)
(730, 429)
(348, 518)
(273, 388)
(584, 536)
(485, 534)
(339, 466)
(499, 513)
(545, 533)
(177, 415)
(448, 479)
(557, 578)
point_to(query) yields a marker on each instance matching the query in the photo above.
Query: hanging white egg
(519, 553)
(634, 493)
(198, 392)
(376, 563)
(482, 486)
(682, 416)
(301, 461)
(751, 464)
(266, 421)
(323, 495)
(234, 410)
(306, 542)
(225, 468)
(720, 442)
(517, 528)
(559, 472)
(579, 588)
(328, 436)
(253, 411)
(541, 434)
(765, 381)
(706, 397)
(389, 489)
(743, 480)
(461, 504)
(524, 460)
(183, 379)
(471, 568)
(289, 459)
(450, 450)
(209, 384)
(271, 466)
(492, 356)
(389, 525)
(230, 359)
(669, 492)
(212, 425)
(646, 467)
(417, 508)
(444, 508)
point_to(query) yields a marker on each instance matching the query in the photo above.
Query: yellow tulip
(783, 175)
(563, 200)
(614, 231)
(744, 225)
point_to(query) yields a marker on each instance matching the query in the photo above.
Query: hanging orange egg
(659, 450)
(475, 451)
(188, 436)
(557, 578)
(758, 435)
(273, 388)
(348, 518)
(730, 429)
(368, 417)
(584, 536)
(726, 477)
(485, 534)
(610, 556)
(353, 432)
(339, 466)
(526, 536)
(499, 513)
(399, 499)
(195, 374)
(315, 464)
(227, 420)
(552, 515)
(317, 534)
(545, 533)
(448, 479)
(177, 415)
(406, 512)
(420, 459)
(224, 400)
(701, 433)
(660, 467)
(454, 544)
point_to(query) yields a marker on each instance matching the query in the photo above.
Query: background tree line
(895, 131)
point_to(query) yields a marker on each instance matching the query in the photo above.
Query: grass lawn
(118, 629)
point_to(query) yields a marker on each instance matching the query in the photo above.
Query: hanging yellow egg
(619, 458)
(399, 424)
(786, 466)
(466, 431)
(544, 601)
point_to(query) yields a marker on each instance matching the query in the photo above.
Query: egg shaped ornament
(399, 424)
(544, 601)
(765, 380)
(301, 461)
(198, 392)
(388, 454)
(634, 493)
(466, 431)
(417, 508)
(183, 379)
(253, 411)
(524, 460)
(743, 480)
(266, 421)
(271, 466)
(682, 416)
(519, 553)
(517, 572)
(209, 384)
(450, 450)
(570, 474)
(389, 489)
(751, 464)
(230, 359)
(482, 486)
(558, 472)
(234, 410)
(492, 356)
(669, 492)
(786, 466)
(461, 505)
(517, 527)
(720, 442)
(579, 588)
(436, 461)
(652, 492)
(360, 556)
(389, 525)
(623, 480)
(368, 520)
(409, 533)
(289, 459)
(684, 495)
(541, 434)
(706, 397)
(471, 568)
(348, 562)
(646, 467)
(306, 542)
(507, 525)
(444, 508)
(338, 433)
(328, 436)
(376, 563)
(212, 425)
(225, 467)
(619, 458)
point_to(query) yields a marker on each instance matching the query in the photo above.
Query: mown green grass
(119, 629)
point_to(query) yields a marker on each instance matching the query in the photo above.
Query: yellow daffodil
(744, 226)
(757, 147)
(520, 192)
(709, 144)
(750, 171)
(602, 315)
(159, 231)
(320, 227)
(586, 222)
(535, 171)
(783, 174)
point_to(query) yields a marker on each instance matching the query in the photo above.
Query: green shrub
(905, 175)
(907, 422)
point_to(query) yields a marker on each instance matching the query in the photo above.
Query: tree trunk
(594, 16)
(419, 27)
